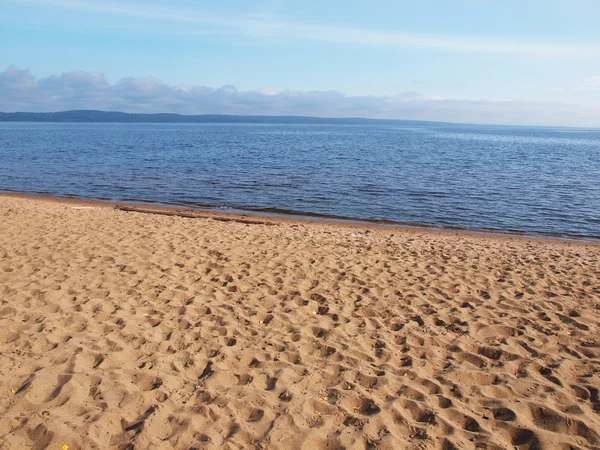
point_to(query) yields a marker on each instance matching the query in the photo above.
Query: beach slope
(128, 330)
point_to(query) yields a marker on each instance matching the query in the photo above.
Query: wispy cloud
(154, 13)
(20, 90)
(264, 24)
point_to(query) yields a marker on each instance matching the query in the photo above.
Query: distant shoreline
(96, 116)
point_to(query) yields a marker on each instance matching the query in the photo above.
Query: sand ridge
(128, 330)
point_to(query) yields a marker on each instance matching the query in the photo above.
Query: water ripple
(538, 180)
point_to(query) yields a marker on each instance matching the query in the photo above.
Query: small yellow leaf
(64, 447)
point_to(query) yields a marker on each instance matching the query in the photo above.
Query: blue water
(535, 180)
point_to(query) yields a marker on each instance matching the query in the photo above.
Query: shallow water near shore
(532, 180)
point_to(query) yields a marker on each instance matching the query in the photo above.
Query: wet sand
(122, 329)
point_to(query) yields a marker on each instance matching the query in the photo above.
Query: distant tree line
(121, 117)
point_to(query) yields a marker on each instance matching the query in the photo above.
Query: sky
(525, 62)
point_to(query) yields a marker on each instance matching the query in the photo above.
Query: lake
(532, 180)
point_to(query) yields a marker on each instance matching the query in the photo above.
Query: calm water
(537, 180)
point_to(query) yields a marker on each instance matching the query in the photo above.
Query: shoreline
(249, 216)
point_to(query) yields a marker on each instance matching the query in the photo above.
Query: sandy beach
(130, 330)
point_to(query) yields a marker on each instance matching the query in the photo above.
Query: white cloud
(592, 82)
(265, 25)
(21, 91)
(269, 91)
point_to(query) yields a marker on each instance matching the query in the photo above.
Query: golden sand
(128, 330)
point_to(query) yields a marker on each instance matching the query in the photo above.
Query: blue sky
(524, 61)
